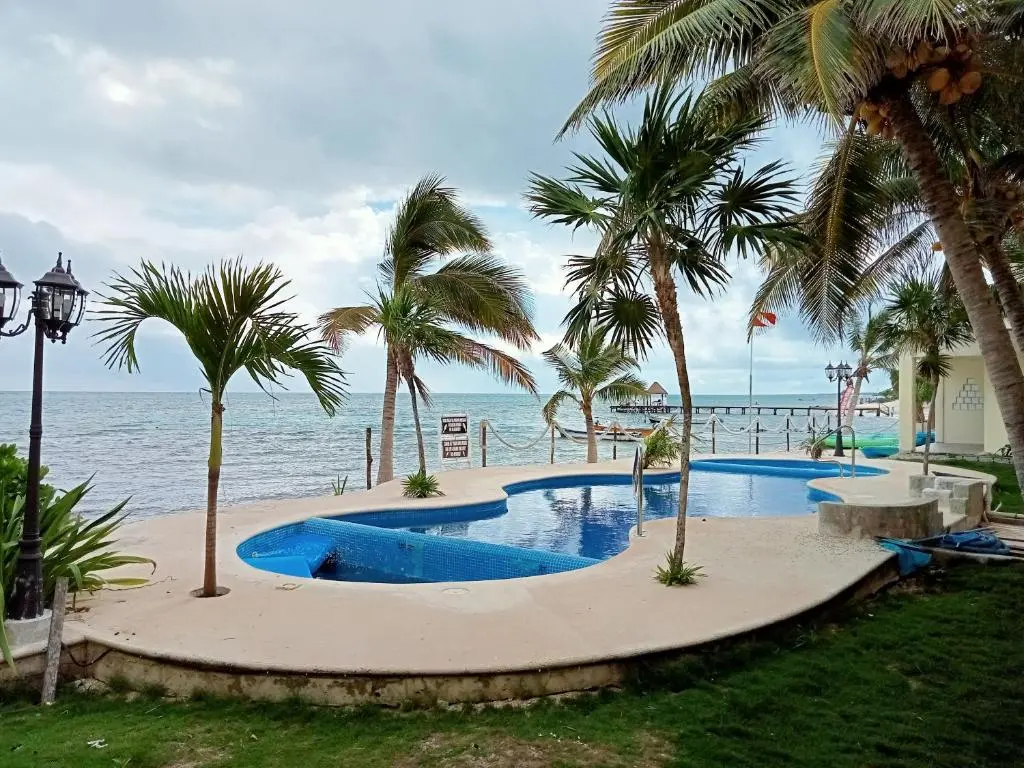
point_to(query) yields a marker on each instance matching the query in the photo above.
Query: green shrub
(814, 446)
(420, 485)
(661, 447)
(14, 475)
(676, 573)
(72, 546)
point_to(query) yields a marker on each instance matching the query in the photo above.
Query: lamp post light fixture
(57, 306)
(839, 373)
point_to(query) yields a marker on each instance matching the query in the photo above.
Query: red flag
(764, 320)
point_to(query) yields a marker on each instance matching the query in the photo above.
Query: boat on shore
(613, 433)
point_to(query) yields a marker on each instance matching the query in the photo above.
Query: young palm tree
(595, 370)
(233, 319)
(924, 317)
(881, 64)
(475, 292)
(873, 347)
(670, 196)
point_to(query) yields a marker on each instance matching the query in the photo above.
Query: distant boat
(612, 434)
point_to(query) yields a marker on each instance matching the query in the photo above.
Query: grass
(1007, 494)
(929, 676)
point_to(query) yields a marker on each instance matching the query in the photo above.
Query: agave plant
(420, 485)
(74, 547)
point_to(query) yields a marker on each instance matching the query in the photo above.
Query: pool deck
(759, 571)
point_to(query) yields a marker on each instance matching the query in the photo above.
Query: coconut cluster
(951, 72)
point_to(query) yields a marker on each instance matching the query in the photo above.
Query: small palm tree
(670, 199)
(869, 341)
(924, 317)
(474, 292)
(596, 370)
(233, 319)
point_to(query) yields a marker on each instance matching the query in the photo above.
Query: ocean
(152, 447)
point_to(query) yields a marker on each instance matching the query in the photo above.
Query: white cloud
(149, 82)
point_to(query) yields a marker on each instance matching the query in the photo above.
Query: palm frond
(337, 324)
(550, 410)
(429, 224)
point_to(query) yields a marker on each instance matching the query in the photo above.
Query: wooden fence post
(552, 443)
(369, 457)
(787, 434)
(757, 436)
(483, 443)
(713, 437)
(615, 444)
(55, 644)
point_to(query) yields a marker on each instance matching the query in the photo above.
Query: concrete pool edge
(267, 627)
(181, 677)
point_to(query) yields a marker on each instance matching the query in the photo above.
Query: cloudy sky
(188, 132)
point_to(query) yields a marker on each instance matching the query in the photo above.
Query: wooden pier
(871, 409)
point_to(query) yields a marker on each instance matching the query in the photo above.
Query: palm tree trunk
(421, 449)
(665, 291)
(851, 409)
(1007, 288)
(588, 418)
(930, 426)
(386, 467)
(962, 256)
(212, 485)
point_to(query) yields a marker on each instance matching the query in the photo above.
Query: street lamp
(839, 373)
(57, 306)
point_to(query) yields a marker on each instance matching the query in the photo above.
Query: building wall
(960, 410)
(995, 432)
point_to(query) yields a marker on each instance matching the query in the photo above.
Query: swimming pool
(544, 526)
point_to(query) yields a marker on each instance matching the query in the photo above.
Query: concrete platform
(336, 642)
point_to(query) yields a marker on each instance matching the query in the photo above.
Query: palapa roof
(656, 389)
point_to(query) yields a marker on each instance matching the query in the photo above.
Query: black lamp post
(839, 373)
(58, 303)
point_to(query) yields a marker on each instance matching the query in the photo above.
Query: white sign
(455, 436)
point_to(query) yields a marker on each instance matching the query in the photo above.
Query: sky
(187, 132)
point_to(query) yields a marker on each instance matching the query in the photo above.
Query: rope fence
(704, 436)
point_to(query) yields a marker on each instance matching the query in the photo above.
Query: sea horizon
(152, 446)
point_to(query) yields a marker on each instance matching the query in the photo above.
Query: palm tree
(475, 292)
(233, 319)
(865, 223)
(925, 318)
(670, 196)
(881, 65)
(595, 370)
(869, 341)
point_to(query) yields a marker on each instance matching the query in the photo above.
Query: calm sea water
(153, 446)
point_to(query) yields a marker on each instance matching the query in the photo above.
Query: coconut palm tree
(671, 196)
(925, 318)
(873, 349)
(233, 318)
(865, 223)
(877, 65)
(474, 291)
(595, 370)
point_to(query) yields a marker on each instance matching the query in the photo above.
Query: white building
(967, 418)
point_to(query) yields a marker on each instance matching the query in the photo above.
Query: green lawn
(931, 676)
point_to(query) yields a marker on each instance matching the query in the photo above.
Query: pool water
(594, 519)
(545, 526)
